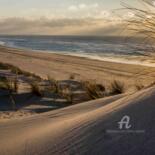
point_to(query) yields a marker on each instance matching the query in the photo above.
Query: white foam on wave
(120, 59)
(2, 43)
(110, 58)
(8, 44)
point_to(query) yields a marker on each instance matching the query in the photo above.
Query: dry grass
(36, 89)
(139, 86)
(94, 90)
(117, 87)
(17, 71)
(54, 85)
(12, 87)
(3, 83)
(72, 77)
(67, 93)
(10, 84)
(16, 84)
(64, 92)
(142, 23)
(152, 84)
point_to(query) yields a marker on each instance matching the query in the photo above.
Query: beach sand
(84, 128)
(61, 67)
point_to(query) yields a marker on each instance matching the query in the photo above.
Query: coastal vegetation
(15, 82)
(142, 24)
(14, 79)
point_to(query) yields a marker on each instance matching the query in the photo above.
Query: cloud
(81, 7)
(43, 25)
(104, 14)
(88, 11)
(46, 26)
(95, 5)
(72, 8)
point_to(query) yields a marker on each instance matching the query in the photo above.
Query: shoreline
(120, 59)
(115, 60)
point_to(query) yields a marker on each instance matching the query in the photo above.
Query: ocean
(101, 48)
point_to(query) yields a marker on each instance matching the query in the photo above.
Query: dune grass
(54, 85)
(67, 93)
(142, 23)
(16, 84)
(36, 89)
(117, 87)
(64, 90)
(72, 76)
(139, 86)
(94, 90)
(11, 86)
(8, 85)
(16, 70)
(3, 83)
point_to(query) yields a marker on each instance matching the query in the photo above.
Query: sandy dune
(86, 128)
(83, 128)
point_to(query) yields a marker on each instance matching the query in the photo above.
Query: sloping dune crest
(83, 128)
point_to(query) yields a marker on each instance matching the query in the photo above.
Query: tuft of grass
(94, 90)
(117, 87)
(54, 85)
(67, 94)
(9, 85)
(4, 66)
(36, 89)
(142, 24)
(72, 77)
(151, 84)
(16, 85)
(139, 86)
(3, 83)
(17, 71)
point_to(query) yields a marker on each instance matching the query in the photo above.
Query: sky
(60, 17)
(28, 7)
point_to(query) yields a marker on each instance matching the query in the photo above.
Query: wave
(8, 43)
(2, 43)
(95, 48)
(142, 61)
